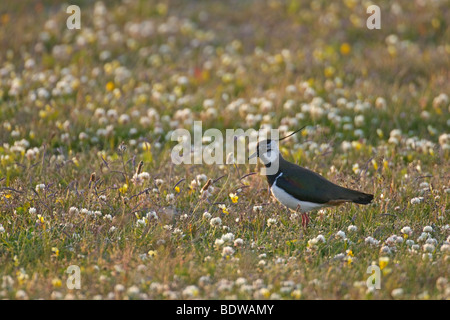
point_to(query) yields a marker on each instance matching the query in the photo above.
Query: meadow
(86, 177)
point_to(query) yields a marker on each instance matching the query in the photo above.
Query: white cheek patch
(269, 157)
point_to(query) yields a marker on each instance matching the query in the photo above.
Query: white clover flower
(291, 89)
(108, 217)
(380, 103)
(141, 222)
(83, 136)
(416, 200)
(341, 234)
(359, 120)
(21, 295)
(40, 187)
(410, 242)
(229, 237)
(240, 281)
(151, 215)
(406, 230)
(73, 210)
(397, 293)
(312, 243)
(170, 197)
(394, 239)
(352, 228)
(194, 183)
(227, 251)
(190, 291)
(424, 236)
(144, 175)
(177, 231)
(445, 247)
(427, 256)
(133, 291)
(215, 222)
(119, 288)
(320, 238)
(428, 247)
(271, 221)
(257, 208)
(32, 210)
(428, 229)
(206, 215)
(97, 213)
(339, 256)
(346, 146)
(385, 250)
(204, 280)
(201, 178)
(239, 242)
(369, 240)
(208, 103)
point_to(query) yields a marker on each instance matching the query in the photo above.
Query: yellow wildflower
(124, 188)
(383, 262)
(110, 86)
(265, 292)
(375, 164)
(224, 208)
(55, 251)
(345, 48)
(234, 198)
(56, 282)
(296, 294)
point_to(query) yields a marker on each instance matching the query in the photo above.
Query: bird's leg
(305, 218)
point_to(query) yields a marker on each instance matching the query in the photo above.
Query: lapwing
(300, 189)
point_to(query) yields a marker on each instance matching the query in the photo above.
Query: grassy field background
(80, 110)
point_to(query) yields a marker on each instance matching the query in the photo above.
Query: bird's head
(267, 151)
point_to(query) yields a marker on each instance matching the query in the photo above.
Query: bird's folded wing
(310, 188)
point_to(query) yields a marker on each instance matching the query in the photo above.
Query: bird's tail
(357, 196)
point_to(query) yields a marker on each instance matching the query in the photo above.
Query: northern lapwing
(301, 189)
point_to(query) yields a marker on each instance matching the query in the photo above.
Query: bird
(300, 189)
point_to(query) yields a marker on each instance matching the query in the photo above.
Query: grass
(80, 109)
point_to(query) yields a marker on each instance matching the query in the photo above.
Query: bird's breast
(291, 202)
